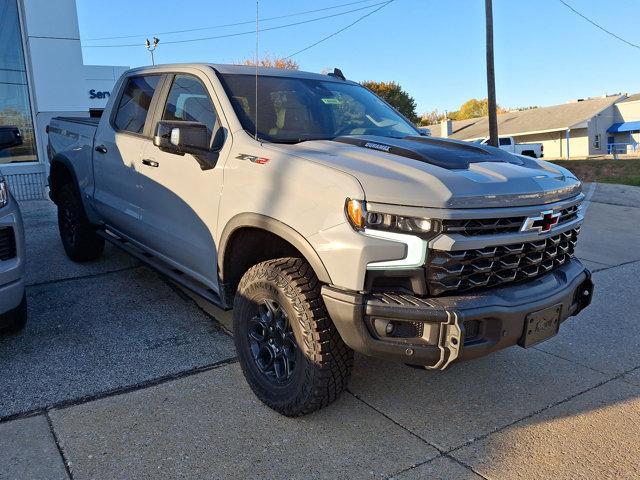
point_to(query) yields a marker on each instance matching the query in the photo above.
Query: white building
(42, 75)
(580, 128)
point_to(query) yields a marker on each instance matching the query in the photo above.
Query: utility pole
(491, 77)
(151, 47)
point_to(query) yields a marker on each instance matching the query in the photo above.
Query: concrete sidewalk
(121, 375)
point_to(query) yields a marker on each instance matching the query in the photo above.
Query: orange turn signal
(356, 213)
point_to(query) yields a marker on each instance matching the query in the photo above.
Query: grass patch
(625, 172)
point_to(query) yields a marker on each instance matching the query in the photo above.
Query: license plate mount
(541, 325)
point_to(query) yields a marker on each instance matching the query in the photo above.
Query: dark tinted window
(189, 101)
(505, 141)
(135, 102)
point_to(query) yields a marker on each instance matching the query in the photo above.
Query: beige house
(593, 126)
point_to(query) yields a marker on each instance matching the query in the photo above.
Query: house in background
(592, 126)
(624, 135)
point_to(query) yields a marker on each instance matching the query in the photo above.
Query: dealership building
(42, 75)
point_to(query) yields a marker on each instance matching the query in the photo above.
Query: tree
(432, 118)
(275, 62)
(473, 108)
(395, 96)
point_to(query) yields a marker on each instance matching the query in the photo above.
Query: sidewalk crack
(67, 466)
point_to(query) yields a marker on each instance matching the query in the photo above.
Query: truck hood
(439, 173)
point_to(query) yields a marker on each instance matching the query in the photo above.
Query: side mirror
(10, 137)
(182, 137)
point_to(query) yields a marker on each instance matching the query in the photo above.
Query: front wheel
(289, 349)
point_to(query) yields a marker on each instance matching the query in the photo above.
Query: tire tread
(331, 358)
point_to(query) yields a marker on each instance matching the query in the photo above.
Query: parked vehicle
(323, 219)
(533, 150)
(13, 301)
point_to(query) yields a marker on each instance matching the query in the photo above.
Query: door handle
(150, 163)
(101, 149)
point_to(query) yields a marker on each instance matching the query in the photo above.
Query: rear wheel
(290, 352)
(79, 238)
(14, 320)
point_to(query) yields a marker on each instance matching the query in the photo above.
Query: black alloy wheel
(272, 342)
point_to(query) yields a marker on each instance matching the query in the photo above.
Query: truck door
(117, 147)
(180, 198)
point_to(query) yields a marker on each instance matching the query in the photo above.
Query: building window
(596, 140)
(15, 107)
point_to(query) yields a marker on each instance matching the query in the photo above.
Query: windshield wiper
(309, 138)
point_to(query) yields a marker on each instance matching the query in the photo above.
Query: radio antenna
(256, 64)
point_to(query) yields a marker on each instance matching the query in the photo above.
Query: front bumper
(12, 269)
(496, 317)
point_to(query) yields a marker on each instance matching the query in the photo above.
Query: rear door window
(135, 102)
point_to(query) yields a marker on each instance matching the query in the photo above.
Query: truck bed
(74, 136)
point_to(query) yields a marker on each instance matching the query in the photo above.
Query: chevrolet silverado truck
(13, 301)
(323, 218)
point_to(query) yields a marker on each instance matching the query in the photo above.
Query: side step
(168, 271)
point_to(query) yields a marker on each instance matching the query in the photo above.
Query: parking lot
(119, 374)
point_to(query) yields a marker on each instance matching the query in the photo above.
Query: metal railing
(622, 148)
(27, 186)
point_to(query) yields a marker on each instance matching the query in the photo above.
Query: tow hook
(449, 342)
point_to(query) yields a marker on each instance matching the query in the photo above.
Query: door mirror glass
(182, 137)
(10, 137)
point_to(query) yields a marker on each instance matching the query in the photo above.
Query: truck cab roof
(241, 70)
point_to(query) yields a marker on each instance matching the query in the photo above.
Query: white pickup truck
(533, 150)
(324, 219)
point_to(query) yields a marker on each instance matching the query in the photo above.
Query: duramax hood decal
(447, 154)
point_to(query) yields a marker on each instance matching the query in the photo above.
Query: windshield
(292, 110)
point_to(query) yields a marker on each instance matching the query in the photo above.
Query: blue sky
(545, 54)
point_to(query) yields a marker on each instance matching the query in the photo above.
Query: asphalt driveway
(119, 374)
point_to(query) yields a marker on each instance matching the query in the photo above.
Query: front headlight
(360, 218)
(4, 192)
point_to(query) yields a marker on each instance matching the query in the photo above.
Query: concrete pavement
(120, 375)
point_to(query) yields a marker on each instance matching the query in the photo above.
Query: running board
(164, 269)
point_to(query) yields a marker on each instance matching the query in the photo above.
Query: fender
(269, 224)
(53, 188)
(62, 160)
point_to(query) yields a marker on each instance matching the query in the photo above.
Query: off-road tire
(323, 361)
(78, 235)
(14, 320)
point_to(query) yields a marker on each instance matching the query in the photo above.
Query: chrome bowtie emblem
(543, 223)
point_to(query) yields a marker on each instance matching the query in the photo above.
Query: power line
(599, 26)
(341, 30)
(250, 32)
(248, 22)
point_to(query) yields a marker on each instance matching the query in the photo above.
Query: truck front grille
(7, 243)
(496, 226)
(461, 271)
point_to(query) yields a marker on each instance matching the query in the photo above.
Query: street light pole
(491, 77)
(151, 47)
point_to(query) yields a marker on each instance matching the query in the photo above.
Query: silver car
(13, 302)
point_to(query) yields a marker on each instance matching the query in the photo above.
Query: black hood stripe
(443, 153)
